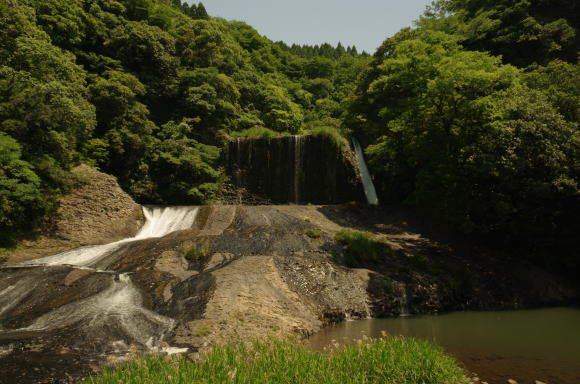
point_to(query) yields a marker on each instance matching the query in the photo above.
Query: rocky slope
(97, 211)
(239, 272)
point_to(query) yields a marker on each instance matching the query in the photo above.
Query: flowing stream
(524, 345)
(160, 221)
(113, 314)
(367, 181)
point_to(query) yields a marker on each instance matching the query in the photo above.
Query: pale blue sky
(364, 23)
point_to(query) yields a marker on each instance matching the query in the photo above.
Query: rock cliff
(295, 169)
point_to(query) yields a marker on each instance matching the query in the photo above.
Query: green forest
(470, 116)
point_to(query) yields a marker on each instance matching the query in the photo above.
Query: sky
(363, 23)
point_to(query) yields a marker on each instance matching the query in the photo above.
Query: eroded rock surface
(97, 211)
(240, 273)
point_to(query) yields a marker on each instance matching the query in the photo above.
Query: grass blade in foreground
(387, 361)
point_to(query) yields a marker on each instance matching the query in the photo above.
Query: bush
(313, 233)
(389, 361)
(360, 247)
(196, 254)
(257, 133)
(331, 134)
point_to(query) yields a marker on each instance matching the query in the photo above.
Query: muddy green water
(523, 345)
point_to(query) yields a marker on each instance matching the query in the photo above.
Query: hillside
(148, 91)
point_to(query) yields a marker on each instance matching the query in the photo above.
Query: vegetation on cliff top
(389, 361)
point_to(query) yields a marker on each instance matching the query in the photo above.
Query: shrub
(331, 134)
(388, 285)
(313, 233)
(360, 247)
(257, 133)
(196, 254)
(388, 361)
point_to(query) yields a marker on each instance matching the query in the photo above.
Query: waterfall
(117, 310)
(403, 302)
(160, 221)
(367, 182)
(297, 170)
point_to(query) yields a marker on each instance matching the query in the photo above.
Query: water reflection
(523, 345)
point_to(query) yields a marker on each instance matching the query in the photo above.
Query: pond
(523, 345)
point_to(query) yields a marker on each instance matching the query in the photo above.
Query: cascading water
(293, 169)
(113, 314)
(118, 311)
(367, 182)
(401, 289)
(160, 221)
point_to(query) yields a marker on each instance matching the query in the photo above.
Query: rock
(97, 211)
(76, 275)
(539, 382)
(298, 168)
(512, 381)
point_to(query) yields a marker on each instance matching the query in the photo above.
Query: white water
(160, 222)
(403, 302)
(117, 311)
(13, 294)
(368, 185)
(119, 308)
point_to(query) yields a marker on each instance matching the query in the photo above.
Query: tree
(523, 32)
(560, 81)
(21, 201)
(201, 13)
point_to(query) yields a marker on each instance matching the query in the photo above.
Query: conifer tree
(201, 12)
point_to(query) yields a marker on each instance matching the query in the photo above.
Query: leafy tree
(456, 133)
(560, 81)
(21, 201)
(145, 50)
(182, 168)
(522, 31)
(44, 102)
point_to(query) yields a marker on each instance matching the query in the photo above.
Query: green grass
(330, 133)
(257, 133)
(360, 247)
(387, 361)
(196, 254)
(313, 233)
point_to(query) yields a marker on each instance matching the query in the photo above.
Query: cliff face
(294, 169)
(97, 211)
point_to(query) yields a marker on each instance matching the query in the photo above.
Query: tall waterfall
(368, 185)
(160, 221)
(297, 167)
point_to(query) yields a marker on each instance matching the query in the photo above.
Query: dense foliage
(468, 136)
(146, 90)
(394, 360)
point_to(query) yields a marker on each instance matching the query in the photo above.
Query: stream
(73, 310)
(525, 345)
